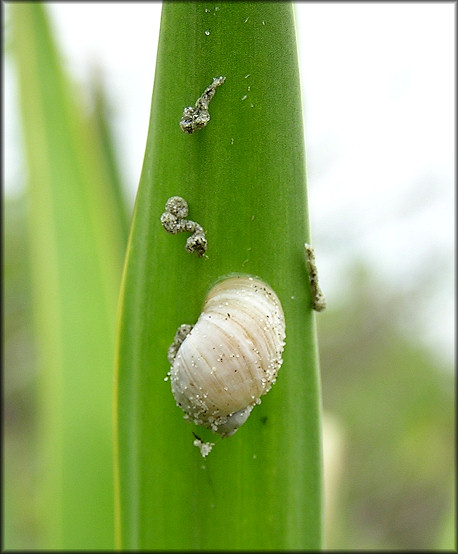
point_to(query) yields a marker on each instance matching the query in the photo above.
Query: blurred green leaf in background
(76, 233)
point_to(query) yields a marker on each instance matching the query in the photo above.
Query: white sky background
(378, 84)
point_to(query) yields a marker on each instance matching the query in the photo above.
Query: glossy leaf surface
(243, 176)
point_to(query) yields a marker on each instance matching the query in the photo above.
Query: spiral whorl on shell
(231, 356)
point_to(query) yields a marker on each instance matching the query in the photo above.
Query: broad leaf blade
(244, 179)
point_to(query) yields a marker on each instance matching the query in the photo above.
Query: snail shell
(231, 356)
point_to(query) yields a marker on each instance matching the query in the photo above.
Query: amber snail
(221, 366)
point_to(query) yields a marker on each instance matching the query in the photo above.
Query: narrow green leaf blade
(76, 248)
(244, 179)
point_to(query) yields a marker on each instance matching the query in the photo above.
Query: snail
(221, 366)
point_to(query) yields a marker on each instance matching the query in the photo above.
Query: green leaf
(243, 176)
(76, 247)
(101, 117)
